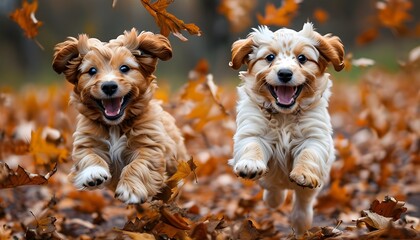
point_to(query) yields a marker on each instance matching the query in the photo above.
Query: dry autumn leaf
(320, 15)
(25, 17)
(204, 94)
(21, 177)
(367, 36)
(394, 13)
(389, 207)
(281, 16)
(373, 220)
(167, 22)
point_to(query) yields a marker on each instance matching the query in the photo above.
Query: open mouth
(113, 108)
(285, 95)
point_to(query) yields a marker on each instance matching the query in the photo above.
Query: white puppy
(283, 136)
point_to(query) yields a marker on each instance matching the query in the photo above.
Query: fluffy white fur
(285, 147)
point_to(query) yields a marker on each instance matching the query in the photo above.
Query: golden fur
(124, 139)
(283, 136)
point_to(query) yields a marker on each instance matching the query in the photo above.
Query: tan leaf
(374, 220)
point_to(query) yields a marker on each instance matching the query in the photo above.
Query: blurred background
(23, 62)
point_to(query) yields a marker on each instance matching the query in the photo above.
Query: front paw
(250, 169)
(131, 192)
(92, 177)
(304, 177)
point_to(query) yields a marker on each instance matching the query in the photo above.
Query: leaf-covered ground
(375, 182)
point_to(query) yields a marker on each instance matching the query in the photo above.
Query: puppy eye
(92, 71)
(270, 57)
(124, 68)
(302, 59)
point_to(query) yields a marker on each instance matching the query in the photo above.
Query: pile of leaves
(377, 137)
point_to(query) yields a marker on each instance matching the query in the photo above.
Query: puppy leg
(139, 180)
(307, 170)
(251, 164)
(302, 211)
(90, 172)
(274, 197)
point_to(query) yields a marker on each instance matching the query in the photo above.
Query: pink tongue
(112, 106)
(285, 94)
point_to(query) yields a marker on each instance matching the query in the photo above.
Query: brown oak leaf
(168, 22)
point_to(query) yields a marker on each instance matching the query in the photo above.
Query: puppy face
(285, 67)
(112, 81)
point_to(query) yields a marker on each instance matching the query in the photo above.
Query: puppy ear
(332, 49)
(67, 56)
(155, 45)
(240, 51)
(63, 53)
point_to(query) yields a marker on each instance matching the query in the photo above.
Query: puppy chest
(284, 138)
(117, 147)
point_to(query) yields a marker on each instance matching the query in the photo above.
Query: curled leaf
(168, 22)
(25, 18)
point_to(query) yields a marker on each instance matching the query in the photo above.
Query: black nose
(285, 75)
(109, 88)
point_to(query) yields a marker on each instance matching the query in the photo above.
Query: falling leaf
(205, 96)
(394, 13)
(25, 17)
(367, 36)
(20, 177)
(321, 15)
(281, 16)
(183, 171)
(237, 12)
(167, 22)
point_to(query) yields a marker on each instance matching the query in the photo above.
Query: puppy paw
(304, 177)
(92, 177)
(250, 169)
(131, 194)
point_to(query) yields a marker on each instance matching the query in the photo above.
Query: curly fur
(134, 149)
(285, 143)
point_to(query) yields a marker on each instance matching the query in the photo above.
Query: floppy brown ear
(240, 51)
(63, 53)
(155, 45)
(67, 56)
(331, 48)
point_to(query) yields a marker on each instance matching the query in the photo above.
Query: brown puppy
(124, 139)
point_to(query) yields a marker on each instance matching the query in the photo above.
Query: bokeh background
(22, 61)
